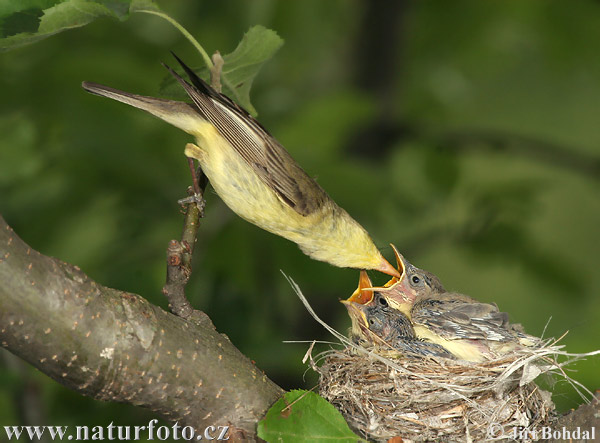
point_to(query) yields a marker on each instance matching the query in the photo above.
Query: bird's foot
(199, 180)
(196, 198)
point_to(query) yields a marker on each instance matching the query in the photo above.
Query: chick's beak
(361, 295)
(399, 270)
(398, 288)
(357, 315)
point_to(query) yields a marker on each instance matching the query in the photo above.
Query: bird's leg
(199, 181)
(179, 253)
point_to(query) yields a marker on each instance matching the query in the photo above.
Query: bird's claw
(198, 199)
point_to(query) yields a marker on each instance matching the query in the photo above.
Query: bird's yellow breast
(328, 234)
(237, 183)
(462, 349)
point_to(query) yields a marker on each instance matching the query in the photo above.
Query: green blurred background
(465, 133)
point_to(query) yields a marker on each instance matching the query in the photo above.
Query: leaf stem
(186, 34)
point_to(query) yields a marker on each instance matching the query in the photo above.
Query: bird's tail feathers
(181, 115)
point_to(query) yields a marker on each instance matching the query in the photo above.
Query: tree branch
(584, 418)
(115, 346)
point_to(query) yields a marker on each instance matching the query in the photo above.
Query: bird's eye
(415, 279)
(382, 301)
(371, 322)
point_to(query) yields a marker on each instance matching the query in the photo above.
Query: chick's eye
(416, 279)
(382, 301)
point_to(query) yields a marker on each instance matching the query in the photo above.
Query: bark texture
(115, 346)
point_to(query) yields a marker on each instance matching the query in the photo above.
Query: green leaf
(27, 21)
(143, 6)
(257, 46)
(303, 416)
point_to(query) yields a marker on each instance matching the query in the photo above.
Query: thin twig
(180, 253)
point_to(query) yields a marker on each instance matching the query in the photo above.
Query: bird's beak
(388, 269)
(400, 271)
(399, 286)
(362, 295)
(357, 315)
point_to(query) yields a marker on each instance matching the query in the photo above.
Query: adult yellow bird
(256, 177)
(378, 324)
(469, 329)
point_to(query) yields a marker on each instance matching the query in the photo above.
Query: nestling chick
(467, 328)
(377, 323)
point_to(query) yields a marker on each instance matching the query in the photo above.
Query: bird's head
(357, 304)
(413, 282)
(371, 321)
(378, 314)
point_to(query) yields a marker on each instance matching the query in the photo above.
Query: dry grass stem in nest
(438, 399)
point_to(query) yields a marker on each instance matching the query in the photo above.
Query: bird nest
(438, 399)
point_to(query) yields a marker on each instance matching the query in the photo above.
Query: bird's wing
(420, 348)
(457, 319)
(271, 162)
(402, 326)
